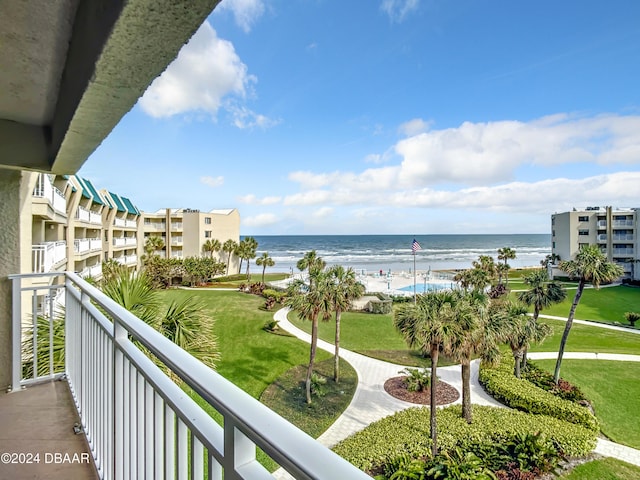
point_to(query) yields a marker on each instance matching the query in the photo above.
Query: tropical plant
(428, 325)
(344, 289)
(152, 244)
(211, 246)
(632, 317)
(416, 379)
(519, 330)
(311, 302)
(542, 293)
(111, 268)
(312, 263)
(229, 247)
(265, 261)
(590, 265)
(200, 269)
(50, 339)
(506, 253)
(161, 271)
(550, 259)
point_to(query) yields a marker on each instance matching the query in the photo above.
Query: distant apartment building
(614, 230)
(184, 231)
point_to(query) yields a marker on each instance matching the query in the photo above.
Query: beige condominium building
(614, 230)
(120, 223)
(184, 231)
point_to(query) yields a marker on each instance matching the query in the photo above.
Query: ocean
(372, 253)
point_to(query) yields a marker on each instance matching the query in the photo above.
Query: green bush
(277, 295)
(230, 278)
(407, 432)
(632, 317)
(521, 394)
(416, 379)
(543, 379)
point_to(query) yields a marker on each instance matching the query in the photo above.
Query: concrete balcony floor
(40, 420)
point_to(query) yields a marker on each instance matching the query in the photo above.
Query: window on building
(207, 220)
(553, 233)
(553, 244)
(583, 232)
(583, 218)
(207, 234)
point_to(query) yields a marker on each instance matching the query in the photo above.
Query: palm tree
(152, 244)
(311, 302)
(312, 263)
(210, 246)
(428, 325)
(519, 330)
(345, 288)
(250, 249)
(230, 247)
(542, 294)
(265, 261)
(506, 253)
(590, 265)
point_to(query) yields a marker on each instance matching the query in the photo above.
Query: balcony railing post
(119, 334)
(16, 334)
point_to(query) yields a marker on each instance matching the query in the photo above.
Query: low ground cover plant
(407, 433)
(523, 395)
(416, 379)
(563, 389)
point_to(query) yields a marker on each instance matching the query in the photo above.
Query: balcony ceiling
(71, 69)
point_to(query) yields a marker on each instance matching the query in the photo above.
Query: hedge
(407, 432)
(523, 395)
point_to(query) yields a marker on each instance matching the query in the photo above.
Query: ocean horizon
(372, 253)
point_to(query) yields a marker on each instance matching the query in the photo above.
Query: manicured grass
(587, 338)
(286, 396)
(254, 278)
(369, 334)
(605, 469)
(613, 389)
(607, 304)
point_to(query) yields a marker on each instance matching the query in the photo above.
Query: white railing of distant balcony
(130, 224)
(622, 223)
(176, 226)
(602, 224)
(45, 189)
(602, 237)
(176, 254)
(46, 255)
(127, 259)
(124, 241)
(622, 251)
(93, 272)
(141, 424)
(81, 245)
(176, 240)
(155, 226)
(119, 222)
(629, 237)
(88, 216)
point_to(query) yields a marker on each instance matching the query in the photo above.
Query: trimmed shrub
(277, 295)
(632, 318)
(416, 380)
(543, 379)
(230, 278)
(523, 395)
(407, 432)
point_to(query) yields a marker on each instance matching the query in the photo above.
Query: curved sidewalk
(371, 403)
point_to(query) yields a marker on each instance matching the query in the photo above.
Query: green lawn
(587, 338)
(614, 391)
(605, 469)
(607, 304)
(369, 334)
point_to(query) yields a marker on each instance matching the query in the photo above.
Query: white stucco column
(15, 233)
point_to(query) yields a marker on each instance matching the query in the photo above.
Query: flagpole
(414, 278)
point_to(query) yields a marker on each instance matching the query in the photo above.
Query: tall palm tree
(265, 261)
(229, 247)
(518, 329)
(590, 265)
(506, 253)
(250, 249)
(211, 246)
(152, 244)
(428, 325)
(542, 294)
(311, 302)
(312, 263)
(344, 289)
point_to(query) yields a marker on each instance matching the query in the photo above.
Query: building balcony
(622, 223)
(124, 223)
(620, 252)
(176, 240)
(125, 241)
(84, 245)
(137, 421)
(87, 216)
(46, 256)
(155, 226)
(602, 224)
(94, 272)
(176, 226)
(45, 190)
(628, 237)
(127, 259)
(602, 237)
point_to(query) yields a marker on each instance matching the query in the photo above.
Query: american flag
(415, 246)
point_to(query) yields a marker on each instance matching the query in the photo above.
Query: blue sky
(390, 116)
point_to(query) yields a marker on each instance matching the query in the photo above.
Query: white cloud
(261, 220)
(251, 199)
(206, 71)
(246, 118)
(323, 212)
(397, 10)
(414, 127)
(212, 181)
(245, 12)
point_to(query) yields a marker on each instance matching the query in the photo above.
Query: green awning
(118, 203)
(108, 200)
(89, 191)
(130, 206)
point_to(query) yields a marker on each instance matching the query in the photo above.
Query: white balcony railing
(130, 224)
(46, 255)
(88, 216)
(177, 254)
(124, 241)
(160, 226)
(45, 189)
(602, 237)
(95, 244)
(81, 245)
(141, 424)
(628, 237)
(622, 223)
(602, 224)
(119, 222)
(176, 226)
(127, 259)
(176, 240)
(94, 272)
(623, 251)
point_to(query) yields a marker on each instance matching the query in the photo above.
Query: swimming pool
(421, 287)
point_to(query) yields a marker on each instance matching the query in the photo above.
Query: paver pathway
(371, 403)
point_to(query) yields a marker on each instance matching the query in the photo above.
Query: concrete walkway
(371, 403)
